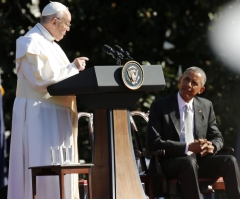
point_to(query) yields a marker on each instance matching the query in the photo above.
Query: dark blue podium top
(101, 87)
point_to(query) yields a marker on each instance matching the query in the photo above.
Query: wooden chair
(90, 129)
(139, 153)
(171, 188)
(84, 183)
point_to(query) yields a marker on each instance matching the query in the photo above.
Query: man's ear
(54, 21)
(201, 90)
(179, 81)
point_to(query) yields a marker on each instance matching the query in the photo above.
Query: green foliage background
(142, 27)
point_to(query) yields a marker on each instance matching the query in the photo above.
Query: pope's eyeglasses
(67, 24)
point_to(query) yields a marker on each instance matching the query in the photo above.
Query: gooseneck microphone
(115, 54)
(124, 54)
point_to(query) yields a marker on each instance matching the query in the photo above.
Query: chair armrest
(159, 153)
(226, 151)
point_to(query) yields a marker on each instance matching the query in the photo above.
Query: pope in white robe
(39, 120)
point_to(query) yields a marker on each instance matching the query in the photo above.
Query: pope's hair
(48, 18)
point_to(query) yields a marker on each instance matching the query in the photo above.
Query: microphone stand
(119, 62)
(118, 57)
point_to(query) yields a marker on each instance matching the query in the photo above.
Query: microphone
(128, 56)
(124, 54)
(115, 54)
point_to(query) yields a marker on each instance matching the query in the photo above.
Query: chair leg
(150, 189)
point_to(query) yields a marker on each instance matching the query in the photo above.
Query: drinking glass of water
(55, 155)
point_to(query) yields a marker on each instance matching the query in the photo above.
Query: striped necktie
(188, 122)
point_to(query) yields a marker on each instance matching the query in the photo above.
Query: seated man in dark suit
(184, 125)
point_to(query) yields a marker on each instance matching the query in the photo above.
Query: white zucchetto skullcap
(53, 8)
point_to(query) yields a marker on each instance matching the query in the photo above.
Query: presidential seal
(132, 75)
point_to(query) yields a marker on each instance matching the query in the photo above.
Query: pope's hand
(80, 63)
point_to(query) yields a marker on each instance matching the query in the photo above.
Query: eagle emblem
(132, 75)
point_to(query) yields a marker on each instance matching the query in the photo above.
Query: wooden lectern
(101, 89)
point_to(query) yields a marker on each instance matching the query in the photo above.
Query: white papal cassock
(39, 120)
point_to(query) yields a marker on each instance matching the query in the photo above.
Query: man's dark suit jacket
(165, 119)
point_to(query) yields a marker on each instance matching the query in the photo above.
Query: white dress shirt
(181, 104)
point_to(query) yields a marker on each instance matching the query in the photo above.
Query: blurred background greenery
(172, 33)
